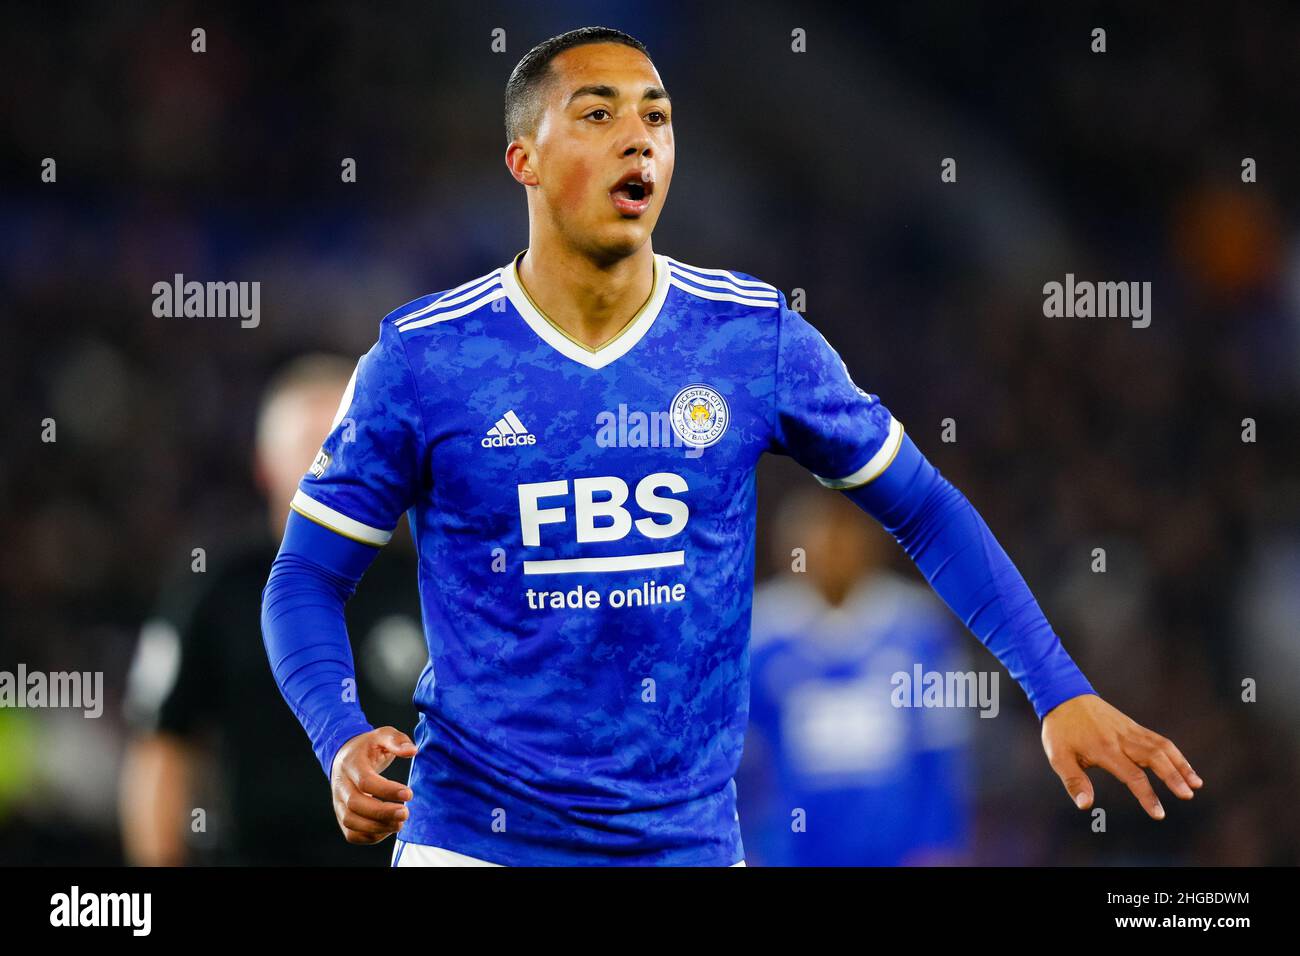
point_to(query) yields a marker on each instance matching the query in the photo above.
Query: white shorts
(417, 854)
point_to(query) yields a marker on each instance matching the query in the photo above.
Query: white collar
(558, 339)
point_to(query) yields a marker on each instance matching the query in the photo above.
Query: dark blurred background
(816, 170)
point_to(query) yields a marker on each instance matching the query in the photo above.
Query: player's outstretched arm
(953, 548)
(852, 443)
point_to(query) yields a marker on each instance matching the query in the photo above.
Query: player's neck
(591, 302)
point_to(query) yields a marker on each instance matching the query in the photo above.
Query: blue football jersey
(868, 783)
(585, 526)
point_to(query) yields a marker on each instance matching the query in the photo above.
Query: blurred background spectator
(211, 730)
(817, 170)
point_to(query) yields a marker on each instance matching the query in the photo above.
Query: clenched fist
(368, 806)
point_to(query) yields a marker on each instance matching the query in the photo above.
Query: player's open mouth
(631, 194)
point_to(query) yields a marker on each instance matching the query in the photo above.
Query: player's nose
(638, 147)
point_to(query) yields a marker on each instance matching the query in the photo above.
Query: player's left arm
(957, 553)
(853, 444)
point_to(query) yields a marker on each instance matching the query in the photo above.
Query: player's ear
(519, 162)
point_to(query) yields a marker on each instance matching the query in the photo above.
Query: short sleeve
(839, 432)
(369, 470)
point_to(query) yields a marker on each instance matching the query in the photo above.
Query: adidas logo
(508, 430)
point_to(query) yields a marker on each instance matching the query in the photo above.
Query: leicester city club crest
(699, 415)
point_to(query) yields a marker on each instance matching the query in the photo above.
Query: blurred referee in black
(217, 766)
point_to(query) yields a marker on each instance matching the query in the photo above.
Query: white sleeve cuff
(873, 468)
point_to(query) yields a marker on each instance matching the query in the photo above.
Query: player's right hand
(369, 806)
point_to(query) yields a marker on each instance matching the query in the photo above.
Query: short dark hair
(523, 104)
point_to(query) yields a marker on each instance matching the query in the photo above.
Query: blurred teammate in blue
(833, 774)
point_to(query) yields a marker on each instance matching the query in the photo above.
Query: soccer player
(573, 438)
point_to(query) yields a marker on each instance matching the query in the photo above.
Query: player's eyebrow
(611, 92)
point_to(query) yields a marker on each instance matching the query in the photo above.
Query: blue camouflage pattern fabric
(536, 473)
